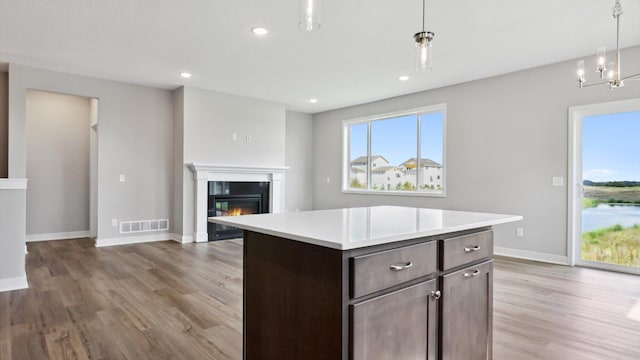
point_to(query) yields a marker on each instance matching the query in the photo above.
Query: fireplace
(204, 174)
(234, 198)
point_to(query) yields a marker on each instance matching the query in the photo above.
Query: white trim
(574, 186)
(394, 193)
(574, 191)
(182, 239)
(15, 283)
(531, 255)
(58, 236)
(239, 169)
(13, 184)
(203, 173)
(417, 110)
(102, 242)
(94, 136)
(609, 267)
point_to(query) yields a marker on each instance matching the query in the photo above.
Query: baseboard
(58, 236)
(183, 239)
(200, 237)
(15, 283)
(531, 255)
(102, 242)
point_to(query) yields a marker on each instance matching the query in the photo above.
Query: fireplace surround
(204, 173)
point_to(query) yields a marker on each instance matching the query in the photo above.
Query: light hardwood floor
(165, 300)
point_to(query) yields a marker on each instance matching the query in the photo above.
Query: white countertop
(352, 228)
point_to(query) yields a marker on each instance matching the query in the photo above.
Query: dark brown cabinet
(398, 325)
(466, 305)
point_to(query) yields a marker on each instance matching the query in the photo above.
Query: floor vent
(139, 226)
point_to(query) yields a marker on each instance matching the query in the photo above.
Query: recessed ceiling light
(404, 78)
(314, 100)
(260, 31)
(185, 75)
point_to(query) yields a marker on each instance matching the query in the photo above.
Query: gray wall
(4, 120)
(506, 138)
(134, 138)
(57, 163)
(178, 159)
(12, 235)
(298, 155)
(210, 119)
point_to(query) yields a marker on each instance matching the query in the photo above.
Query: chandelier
(614, 77)
(423, 41)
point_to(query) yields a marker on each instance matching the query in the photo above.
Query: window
(381, 153)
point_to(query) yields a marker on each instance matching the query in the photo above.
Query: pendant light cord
(424, 6)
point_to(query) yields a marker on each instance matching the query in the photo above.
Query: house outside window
(392, 144)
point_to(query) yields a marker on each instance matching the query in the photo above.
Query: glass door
(607, 234)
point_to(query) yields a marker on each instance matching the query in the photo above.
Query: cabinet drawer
(465, 249)
(377, 271)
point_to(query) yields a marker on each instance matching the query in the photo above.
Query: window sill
(394, 193)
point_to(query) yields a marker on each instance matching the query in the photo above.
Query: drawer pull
(471, 249)
(399, 267)
(475, 273)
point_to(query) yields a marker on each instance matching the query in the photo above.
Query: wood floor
(166, 300)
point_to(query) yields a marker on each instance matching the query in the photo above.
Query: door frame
(574, 191)
(93, 167)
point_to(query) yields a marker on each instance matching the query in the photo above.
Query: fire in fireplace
(234, 199)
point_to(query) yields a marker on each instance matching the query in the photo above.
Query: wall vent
(139, 226)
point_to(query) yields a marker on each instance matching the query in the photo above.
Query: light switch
(122, 178)
(557, 181)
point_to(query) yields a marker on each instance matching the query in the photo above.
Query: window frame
(346, 148)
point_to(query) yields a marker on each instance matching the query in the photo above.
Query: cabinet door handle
(403, 266)
(435, 295)
(472, 274)
(471, 249)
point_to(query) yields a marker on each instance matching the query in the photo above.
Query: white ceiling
(356, 57)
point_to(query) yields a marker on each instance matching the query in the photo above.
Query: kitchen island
(368, 283)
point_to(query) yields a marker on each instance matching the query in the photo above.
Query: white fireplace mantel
(203, 173)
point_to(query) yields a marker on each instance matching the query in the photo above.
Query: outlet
(234, 137)
(248, 138)
(328, 180)
(520, 232)
(114, 222)
(122, 178)
(557, 181)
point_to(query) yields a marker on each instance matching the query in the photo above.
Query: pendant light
(423, 41)
(309, 17)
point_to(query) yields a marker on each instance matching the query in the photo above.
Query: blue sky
(395, 138)
(611, 147)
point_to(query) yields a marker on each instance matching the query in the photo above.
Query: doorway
(62, 154)
(604, 197)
